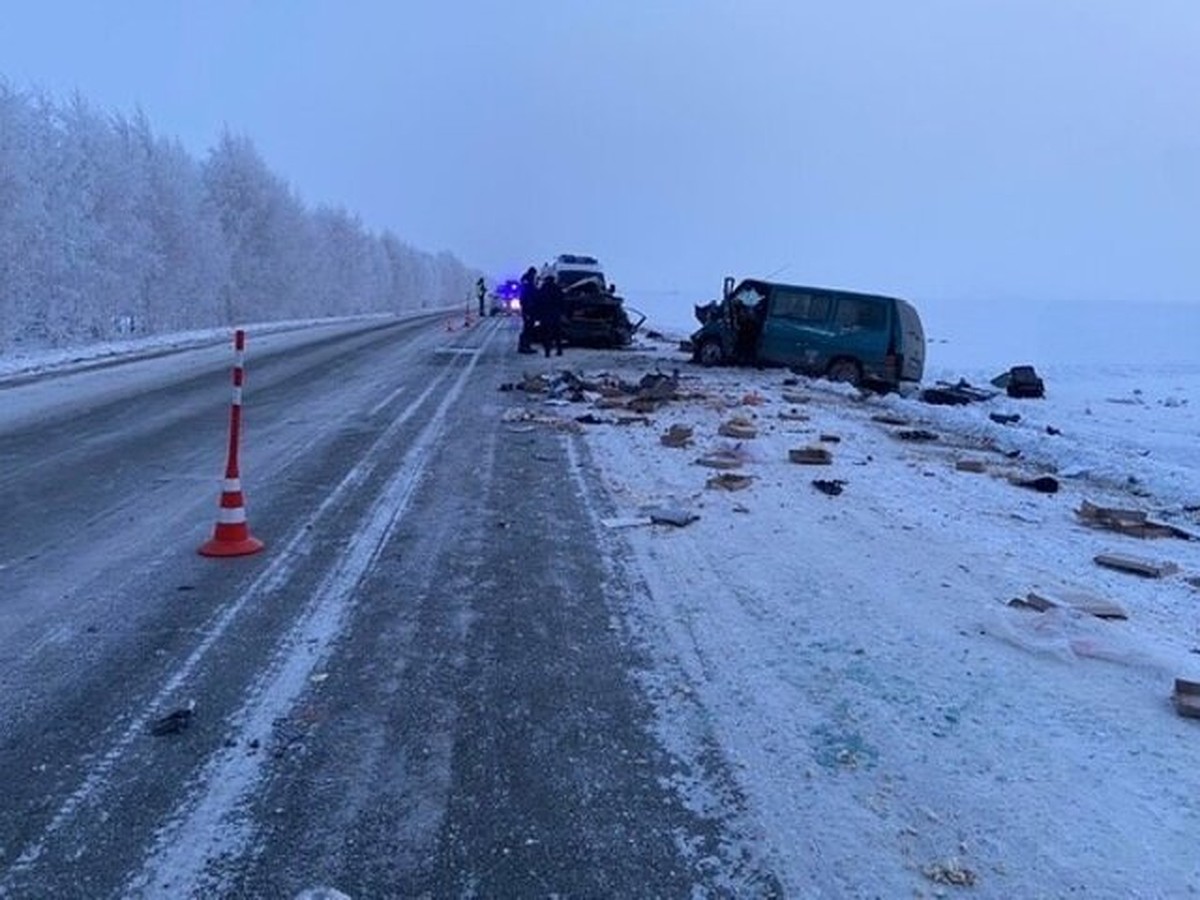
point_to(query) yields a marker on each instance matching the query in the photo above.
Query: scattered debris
(677, 436)
(174, 722)
(970, 465)
(888, 419)
(1138, 566)
(1128, 521)
(829, 439)
(1194, 582)
(1187, 698)
(960, 394)
(730, 481)
(1043, 484)
(657, 386)
(754, 398)
(1052, 431)
(1077, 600)
(916, 434)
(592, 419)
(1005, 418)
(831, 487)
(738, 427)
(1021, 381)
(810, 456)
(671, 515)
(950, 872)
(721, 459)
(794, 396)
(530, 417)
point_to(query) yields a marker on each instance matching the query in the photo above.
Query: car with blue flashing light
(506, 298)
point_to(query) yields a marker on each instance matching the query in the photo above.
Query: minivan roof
(839, 292)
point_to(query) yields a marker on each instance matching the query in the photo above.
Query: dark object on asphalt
(1021, 382)
(174, 722)
(1005, 418)
(592, 419)
(960, 394)
(832, 486)
(671, 515)
(1052, 431)
(1044, 484)
(916, 434)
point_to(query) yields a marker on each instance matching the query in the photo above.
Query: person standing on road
(529, 302)
(481, 293)
(551, 308)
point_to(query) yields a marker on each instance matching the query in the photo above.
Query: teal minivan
(865, 339)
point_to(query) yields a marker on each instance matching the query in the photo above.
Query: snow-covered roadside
(895, 726)
(41, 361)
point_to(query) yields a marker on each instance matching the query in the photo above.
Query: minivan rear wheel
(845, 370)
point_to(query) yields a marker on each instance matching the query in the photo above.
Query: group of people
(542, 310)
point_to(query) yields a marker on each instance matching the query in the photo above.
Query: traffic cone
(232, 535)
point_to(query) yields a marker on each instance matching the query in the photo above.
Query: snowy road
(448, 676)
(424, 685)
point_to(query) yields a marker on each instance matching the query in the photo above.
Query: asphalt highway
(424, 686)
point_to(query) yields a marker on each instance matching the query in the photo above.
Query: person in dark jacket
(551, 308)
(529, 304)
(481, 294)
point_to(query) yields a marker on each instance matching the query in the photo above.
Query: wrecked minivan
(864, 339)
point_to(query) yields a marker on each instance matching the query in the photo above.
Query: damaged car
(595, 315)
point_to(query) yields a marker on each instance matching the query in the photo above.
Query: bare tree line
(108, 230)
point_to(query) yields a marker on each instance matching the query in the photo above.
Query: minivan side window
(801, 306)
(856, 313)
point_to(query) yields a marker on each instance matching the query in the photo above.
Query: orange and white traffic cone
(232, 535)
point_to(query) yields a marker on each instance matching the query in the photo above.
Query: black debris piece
(1005, 418)
(959, 394)
(1021, 382)
(916, 434)
(1044, 484)
(831, 486)
(174, 722)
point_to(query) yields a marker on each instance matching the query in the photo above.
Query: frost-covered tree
(107, 229)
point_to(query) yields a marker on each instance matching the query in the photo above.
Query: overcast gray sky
(947, 149)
